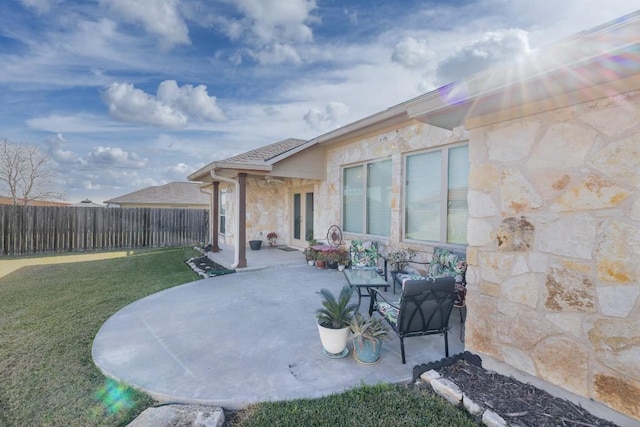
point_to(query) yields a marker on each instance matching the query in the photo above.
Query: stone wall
(554, 248)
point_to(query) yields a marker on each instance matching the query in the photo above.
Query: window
(366, 198)
(436, 195)
(222, 212)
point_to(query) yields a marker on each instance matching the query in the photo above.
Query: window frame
(365, 181)
(443, 199)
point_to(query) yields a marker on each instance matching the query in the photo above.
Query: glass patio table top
(364, 279)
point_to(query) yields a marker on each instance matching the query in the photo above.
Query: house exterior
(171, 195)
(533, 168)
(4, 200)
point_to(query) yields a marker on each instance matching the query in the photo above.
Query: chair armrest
(375, 293)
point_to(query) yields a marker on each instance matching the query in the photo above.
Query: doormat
(287, 249)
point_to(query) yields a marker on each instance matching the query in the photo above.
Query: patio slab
(242, 338)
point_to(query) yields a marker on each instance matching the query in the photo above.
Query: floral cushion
(387, 311)
(403, 277)
(447, 264)
(364, 254)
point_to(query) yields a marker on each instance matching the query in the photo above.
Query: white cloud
(329, 118)
(172, 107)
(178, 172)
(494, 47)
(63, 157)
(115, 157)
(277, 20)
(352, 15)
(276, 53)
(40, 6)
(159, 17)
(412, 53)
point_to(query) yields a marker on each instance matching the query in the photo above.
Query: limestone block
(517, 194)
(523, 289)
(512, 142)
(520, 266)
(550, 182)
(481, 205)
(562, 362)
(483, 177)
(635, 210)
(569, 322)
(568, 287)
(489, 288)
(594, 192)
(563, 146)
(496, 266)
(615, 118)
(480, 333)
(472, 275)
(573, 236)
(491, 419)
(620, 160)
(617, 252)
(519, 359)
(447, 389)
(471, 406)
(617, 301)
(538, 263)
(430, 375)
(529, 328)
(479, 232)
(472, 255)
(515, 234)
(616, 343)
(619, 393)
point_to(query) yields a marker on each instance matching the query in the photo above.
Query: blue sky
(124, 94)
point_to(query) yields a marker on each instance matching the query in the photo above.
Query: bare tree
(27, 173)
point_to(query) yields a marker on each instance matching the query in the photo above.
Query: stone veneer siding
(554, 248)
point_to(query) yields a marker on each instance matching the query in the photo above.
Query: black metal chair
(423, 309)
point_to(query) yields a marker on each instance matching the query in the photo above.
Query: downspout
(236, 239)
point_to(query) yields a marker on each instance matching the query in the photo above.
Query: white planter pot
(334, 341)
(340, 267)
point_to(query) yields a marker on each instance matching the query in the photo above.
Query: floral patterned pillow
(364, 254)
(448, 264)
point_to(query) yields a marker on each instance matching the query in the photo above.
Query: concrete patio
(241, 338)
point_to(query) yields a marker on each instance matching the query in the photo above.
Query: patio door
(302, 215)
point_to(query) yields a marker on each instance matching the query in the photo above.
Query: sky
(126, 94)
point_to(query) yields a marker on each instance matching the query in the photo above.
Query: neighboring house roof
(173, 193)
(86, 203)
(266, 153)
(9, 201)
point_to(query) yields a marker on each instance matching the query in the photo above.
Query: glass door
(302, 215)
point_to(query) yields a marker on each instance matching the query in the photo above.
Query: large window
(436, 195)
(366, 202)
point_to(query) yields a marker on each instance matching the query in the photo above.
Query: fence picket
(34, 229)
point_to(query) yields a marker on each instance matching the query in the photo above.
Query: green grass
(49, 315)
(380, 405)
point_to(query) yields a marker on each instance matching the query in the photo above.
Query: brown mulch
(518, 403)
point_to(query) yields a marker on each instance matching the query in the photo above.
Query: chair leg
(446, 344)
(402, 350)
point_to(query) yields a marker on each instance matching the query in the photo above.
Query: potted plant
(321, 259)
(255, 244)
(344, 257)
(400, 259)
(368, 335)
(331, 256)
(333, 321)
(272, 238)
(309, 255)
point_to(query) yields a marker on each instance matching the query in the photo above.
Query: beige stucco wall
(163, 206)
(554, 248)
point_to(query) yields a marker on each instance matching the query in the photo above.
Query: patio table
(364, 279)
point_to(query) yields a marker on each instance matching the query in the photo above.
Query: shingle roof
(177, 193)
(263, 154)
(9, 201)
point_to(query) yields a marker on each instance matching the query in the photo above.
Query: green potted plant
(309, 255)
(321, 259)
(368, 335)
(332, 256)
(334, 318)
(344, 257)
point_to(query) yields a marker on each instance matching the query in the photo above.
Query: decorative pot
(341, 267)
(332, 265)
(321, 264)
(334, 341)
(255, 244)
(311, 262)
(366, 351)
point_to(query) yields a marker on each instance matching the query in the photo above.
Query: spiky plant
(336, 313)
(373, 329)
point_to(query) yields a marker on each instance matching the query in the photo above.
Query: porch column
(215, 202)
(242, 220)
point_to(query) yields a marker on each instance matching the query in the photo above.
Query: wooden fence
(34, 229)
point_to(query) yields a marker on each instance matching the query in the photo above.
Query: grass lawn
(49, 315)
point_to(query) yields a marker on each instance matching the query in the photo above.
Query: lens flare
(115, 397)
